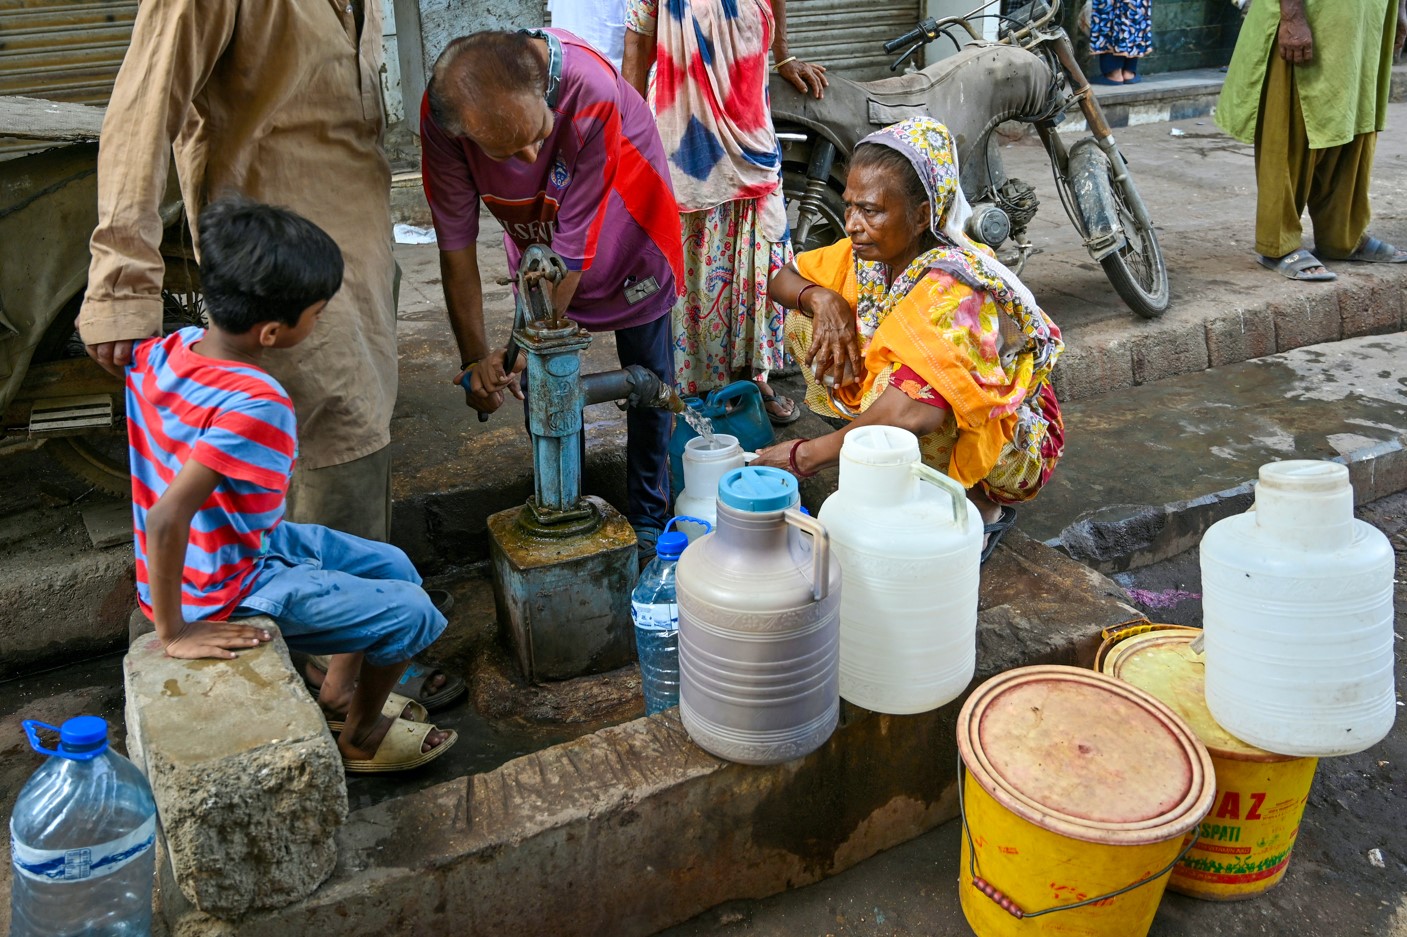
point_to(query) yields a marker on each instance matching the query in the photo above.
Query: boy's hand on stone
(198, 640)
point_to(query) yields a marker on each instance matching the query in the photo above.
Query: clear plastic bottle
(82, 840)
(656, 616)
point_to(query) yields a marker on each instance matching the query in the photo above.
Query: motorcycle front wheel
(814, 221)
(1136, 269)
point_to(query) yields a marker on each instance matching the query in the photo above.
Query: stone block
(1170, 352)
(1390, 471)
(248, 781)
(1370, 309)
(1240, 336)
(1093, 368)
(1306, 320)
(557, 842)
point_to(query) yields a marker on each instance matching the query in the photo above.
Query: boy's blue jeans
(333, 593)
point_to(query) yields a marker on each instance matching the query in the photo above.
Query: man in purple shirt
(563, 152)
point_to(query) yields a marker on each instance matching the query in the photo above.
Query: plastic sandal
(396, 707)
(1294, 264)
(996, 529)
(400, 750)
(1374, 251)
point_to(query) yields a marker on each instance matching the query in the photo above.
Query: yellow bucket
(1079, 793)
(1243, 846)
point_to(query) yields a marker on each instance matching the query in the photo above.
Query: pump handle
(820, 550)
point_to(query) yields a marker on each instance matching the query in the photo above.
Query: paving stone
(1170, 353)
(1240, 336)
(1370, 309)
(1093, 368)
(248, 781)
(108, 524)
(1306, 320)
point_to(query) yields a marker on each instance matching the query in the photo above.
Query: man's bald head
(485, 75)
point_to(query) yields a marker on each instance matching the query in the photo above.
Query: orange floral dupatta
(936, 330)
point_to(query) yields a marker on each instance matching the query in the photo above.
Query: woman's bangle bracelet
(790, 58)
(467, 366)
(801, 293)
(791, 460)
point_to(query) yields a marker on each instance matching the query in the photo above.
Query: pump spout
(638, 386)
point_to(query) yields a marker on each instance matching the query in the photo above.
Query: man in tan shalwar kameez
(279, 100)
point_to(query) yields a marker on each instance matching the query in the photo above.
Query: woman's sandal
(996, 529)
(397, 707)
(1294, 264)
(400, 750)
(770, 399)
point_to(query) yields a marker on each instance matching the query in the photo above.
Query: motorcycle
(52, 396)
(1029, 74)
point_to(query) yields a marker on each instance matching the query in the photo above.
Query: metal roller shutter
(63, 50)
(848, 36)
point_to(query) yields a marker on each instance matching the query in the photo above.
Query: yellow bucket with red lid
(1243, 846)
(1079, 793)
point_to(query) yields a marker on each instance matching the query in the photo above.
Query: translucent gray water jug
(759, 625)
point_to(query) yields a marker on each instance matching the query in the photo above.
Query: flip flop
(770, 398)
(400, 750)
(396, 706)
(1374, 251)
(996, 529)
(1294, 264)
(1101, 80)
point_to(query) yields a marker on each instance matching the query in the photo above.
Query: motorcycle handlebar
(926, 31)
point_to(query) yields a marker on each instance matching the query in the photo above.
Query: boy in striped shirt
(212, 438)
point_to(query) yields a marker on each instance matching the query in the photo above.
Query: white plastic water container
(909, 543)
(1297, 609)
(705, 461)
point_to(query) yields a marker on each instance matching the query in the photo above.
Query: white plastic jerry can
(909, 542)
(1297, 608)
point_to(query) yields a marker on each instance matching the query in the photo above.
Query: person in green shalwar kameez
(1308, 86)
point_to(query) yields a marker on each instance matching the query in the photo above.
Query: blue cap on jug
(758, 488)
(81, 738)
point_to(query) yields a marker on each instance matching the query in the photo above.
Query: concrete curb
(1124, 537)
(552, 843)
(1348, 308)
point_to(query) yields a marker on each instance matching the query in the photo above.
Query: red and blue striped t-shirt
(231, 417)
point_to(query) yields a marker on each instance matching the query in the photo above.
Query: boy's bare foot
(362, 746)
(334, 700)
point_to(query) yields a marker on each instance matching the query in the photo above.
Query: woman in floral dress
(709, 92)
(1120, 33)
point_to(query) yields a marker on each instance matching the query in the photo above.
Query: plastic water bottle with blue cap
(656, 615)
(82, 839)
